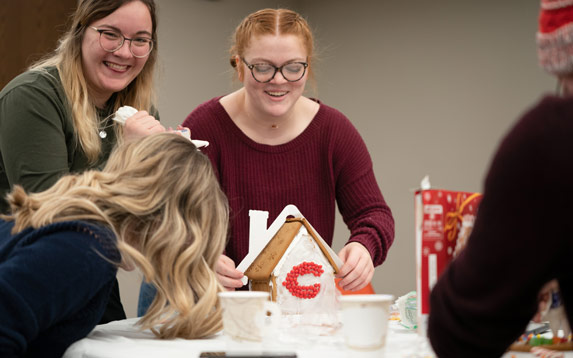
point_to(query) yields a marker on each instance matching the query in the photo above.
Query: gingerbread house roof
(264, 264)
(265, 255)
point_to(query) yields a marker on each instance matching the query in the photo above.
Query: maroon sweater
(522, 238)
(327, 164)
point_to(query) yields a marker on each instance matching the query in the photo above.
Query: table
(122, 339)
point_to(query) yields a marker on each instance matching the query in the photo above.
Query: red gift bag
(444, 219)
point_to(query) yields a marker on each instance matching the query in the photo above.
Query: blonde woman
(156, 205)
(55, 118)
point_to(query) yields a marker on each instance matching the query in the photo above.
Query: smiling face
(110, 72)
(277, 97)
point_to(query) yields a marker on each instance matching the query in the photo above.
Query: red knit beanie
(555, 36)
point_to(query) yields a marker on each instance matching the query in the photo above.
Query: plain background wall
(432, 86)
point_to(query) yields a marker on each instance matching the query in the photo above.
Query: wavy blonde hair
(161, 198)
(67, 58)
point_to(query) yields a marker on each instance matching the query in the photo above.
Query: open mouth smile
(276, 93)
(115, 66)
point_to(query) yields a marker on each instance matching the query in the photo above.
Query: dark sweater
(327, 164)
(54, 286)
(37, 140)
(522, 238)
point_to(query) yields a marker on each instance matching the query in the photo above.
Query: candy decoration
(291, 281)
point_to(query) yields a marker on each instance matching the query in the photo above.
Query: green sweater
(37, 140)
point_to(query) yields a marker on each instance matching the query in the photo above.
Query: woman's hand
(228, 276)
(141, 125)
(358, 268)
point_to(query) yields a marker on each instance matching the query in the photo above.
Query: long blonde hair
(161, 198)
(67, 58)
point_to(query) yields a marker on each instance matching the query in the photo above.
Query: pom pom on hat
(555, 36)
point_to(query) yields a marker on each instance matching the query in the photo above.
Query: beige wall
(432, 86)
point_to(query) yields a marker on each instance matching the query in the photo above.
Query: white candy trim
(555, 4)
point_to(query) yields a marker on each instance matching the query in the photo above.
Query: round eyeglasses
(265, 72)
(111, 41)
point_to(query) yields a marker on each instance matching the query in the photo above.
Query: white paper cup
(248, 315)
(365, 320)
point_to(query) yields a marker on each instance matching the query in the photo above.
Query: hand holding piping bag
(137, 124)
(127, 115)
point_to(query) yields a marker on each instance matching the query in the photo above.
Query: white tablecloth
(122, 339)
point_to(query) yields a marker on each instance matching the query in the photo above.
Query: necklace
(275, 126)
(107, 124)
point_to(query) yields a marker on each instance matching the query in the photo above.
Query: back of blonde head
(161, 198)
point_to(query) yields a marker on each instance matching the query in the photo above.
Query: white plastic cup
(365, 320)
(248, 315)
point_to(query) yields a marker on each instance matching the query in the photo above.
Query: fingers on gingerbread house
(292, 262)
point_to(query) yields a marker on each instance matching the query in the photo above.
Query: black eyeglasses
(265, 72)
(111, 41)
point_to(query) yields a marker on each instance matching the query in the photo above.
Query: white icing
(199, 143)
(319, 311)
(123, 113)
(186, 133)
(293, 244)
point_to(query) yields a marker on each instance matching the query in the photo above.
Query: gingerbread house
(292, 262)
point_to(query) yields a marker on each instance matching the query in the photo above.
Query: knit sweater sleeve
(339, 167)
(358, 195)
(521, 239)
(49, 283)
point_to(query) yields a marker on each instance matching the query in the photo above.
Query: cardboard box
(443, 220)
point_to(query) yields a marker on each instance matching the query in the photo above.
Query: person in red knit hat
(555, 41)
(522, 241)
